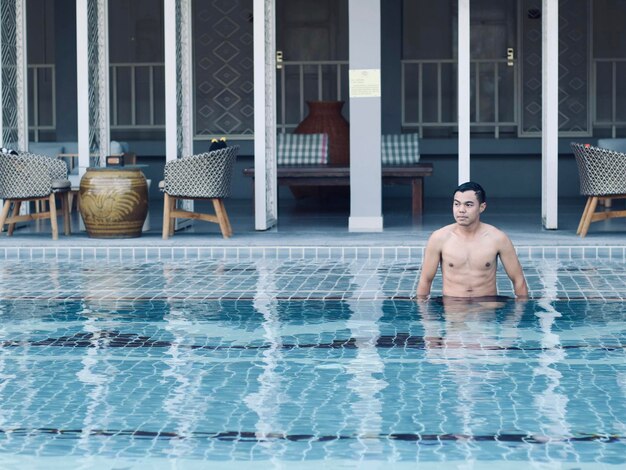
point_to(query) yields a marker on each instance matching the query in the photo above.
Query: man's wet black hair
(471, 186)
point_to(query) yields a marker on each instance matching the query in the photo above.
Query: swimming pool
(307, 363)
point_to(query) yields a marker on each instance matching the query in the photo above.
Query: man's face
(466, 208)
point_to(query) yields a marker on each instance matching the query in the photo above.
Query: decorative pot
(325, 117)
(113, 202)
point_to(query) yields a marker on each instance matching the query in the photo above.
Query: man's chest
(480, 254)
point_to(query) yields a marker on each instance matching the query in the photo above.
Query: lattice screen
(223, 68)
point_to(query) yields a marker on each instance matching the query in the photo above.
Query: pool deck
(318, 224)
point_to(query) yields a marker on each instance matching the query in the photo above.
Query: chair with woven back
(25, 177)
(205, 176)
(602, 175)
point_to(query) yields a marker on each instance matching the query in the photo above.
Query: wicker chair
(26, 177)
(602, 175)
(203, 176)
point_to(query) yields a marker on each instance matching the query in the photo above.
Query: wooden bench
(330, 175)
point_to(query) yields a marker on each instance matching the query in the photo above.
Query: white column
(463, 81)
(265, 189)
(82, 83)
(550, 113)
(178, 79)
(171, 122)
(92, 63)
(104, 122)
(1, 95)
(22, 74)
(186, 79)
(365, 117)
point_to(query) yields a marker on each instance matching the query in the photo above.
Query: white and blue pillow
(400, 149)
(302, 149)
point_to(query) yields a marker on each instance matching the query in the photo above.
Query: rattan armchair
(204, 176)
(26, 177)
(602, 175)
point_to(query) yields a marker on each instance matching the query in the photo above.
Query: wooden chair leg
(53, 217)
(16, 211)
(230, 228)
(583, 217)
(172, 219)
(5, 213)
(166, 216)
(67, 223)
(222, 217)
(589, 215)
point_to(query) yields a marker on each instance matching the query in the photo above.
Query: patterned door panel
(223, 68)
(573, 68)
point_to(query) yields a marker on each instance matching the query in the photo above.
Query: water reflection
(471, 338)
(366, 368)
(97, 374)
(551, 404)
(267, 401)
(185, 403)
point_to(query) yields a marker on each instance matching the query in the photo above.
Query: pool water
(296, 363)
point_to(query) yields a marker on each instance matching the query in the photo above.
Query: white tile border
(346, 252)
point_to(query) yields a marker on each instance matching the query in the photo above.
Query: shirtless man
(468, 251)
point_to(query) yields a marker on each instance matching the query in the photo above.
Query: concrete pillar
(265, 185)
(463, 81)
(82, 84)
(365, 117)
(550, 113)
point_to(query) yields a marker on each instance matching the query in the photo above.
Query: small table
(114, 201)
(339, 175)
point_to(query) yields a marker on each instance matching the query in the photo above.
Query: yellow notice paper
(365, 83)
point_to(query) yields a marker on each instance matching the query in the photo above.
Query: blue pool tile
(323, 253)
(617, 253)
(577, 252)
(296, 252)
(152, 254)
(549, 253)
(564, 253)
(416, 253)
(243, 253)
(590, 253)
(165, 253)
(210, 253)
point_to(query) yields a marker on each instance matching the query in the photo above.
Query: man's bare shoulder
(495, 233)
(443, 233)
(438, 238)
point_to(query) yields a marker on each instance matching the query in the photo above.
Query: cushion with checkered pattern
(400, 149)
(302, 149)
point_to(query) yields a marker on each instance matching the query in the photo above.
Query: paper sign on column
(364, 83)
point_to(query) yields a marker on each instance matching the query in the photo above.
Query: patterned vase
(325, 117)
(113, 202)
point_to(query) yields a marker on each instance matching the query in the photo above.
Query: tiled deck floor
(315, 224)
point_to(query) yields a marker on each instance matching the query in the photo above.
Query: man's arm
(513, 267)
(432, 255)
